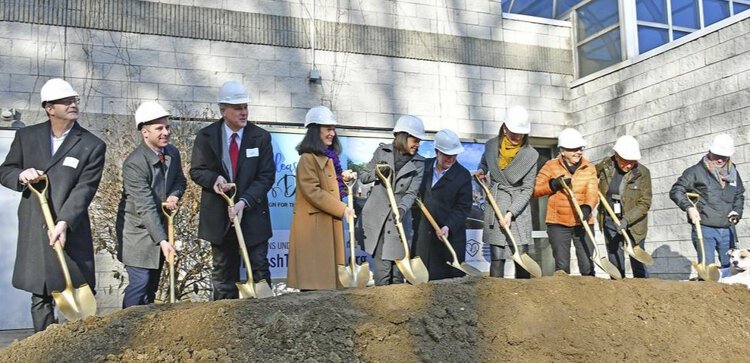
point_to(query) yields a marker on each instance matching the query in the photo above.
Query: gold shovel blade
(413, 270)
(75, 304)
(528, 264)
(608, 267)
(356, 276)
(249, 290)
(713, 273)
(641, 255)
(465, 268)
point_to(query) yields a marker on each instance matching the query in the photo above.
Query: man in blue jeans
(716, 179)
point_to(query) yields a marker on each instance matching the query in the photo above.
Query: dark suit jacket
(141, 225)
(256, 172)
(449, 202)
(73, 174)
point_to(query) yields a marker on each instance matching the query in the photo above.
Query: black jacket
(449, 201)
(73, 173)
(715, 202)
(256, 172)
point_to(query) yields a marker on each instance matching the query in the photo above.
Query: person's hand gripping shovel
(74, 303)
(463, 266)
(600, 261)
(169, 214)
(634, 251)
(523, 260)
(413, 269)
(247, 289)
(353, 275)
(707, 272)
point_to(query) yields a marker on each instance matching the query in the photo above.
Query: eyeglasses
(573, 150)
(66, 101)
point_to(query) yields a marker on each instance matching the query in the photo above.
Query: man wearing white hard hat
(381, 238)
(72, 158)
(313, 257)
(509, 166)
(626, 184)
(233, 150)
(446, 192)
(722, 197)
(151, 175)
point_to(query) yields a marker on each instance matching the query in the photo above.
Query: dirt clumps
(556, 318)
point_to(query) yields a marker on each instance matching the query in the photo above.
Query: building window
(597, 34)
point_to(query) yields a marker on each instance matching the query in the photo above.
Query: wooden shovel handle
(436, 227)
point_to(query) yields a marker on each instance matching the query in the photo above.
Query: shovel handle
(612, 215)
(579, 212)
(230, 197)
(392, 201)
(42, 196)
(695, 196)
(350, 222)
(170, 227)
(436, 227)
(496, 209)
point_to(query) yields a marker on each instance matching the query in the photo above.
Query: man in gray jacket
(151, 174)
(718, 182)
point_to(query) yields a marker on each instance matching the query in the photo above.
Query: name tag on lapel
(251, 153)
(70, 162)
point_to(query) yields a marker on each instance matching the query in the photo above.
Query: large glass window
(650, 38)
(652, 10)
(715, 10)
(685, 14)
(599, 53)
(596, 16)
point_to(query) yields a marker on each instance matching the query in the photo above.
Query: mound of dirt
(556, 318)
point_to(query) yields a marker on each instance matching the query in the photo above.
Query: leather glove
(586, 209)
(623, 226)
(555, 184)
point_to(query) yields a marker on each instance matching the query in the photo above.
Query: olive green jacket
(635, 193)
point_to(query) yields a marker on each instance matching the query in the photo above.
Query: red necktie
(234, 154)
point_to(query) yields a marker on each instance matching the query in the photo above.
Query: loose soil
(557, 318)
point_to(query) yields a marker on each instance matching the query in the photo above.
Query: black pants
(385, 272)
(497, 266)
(616, 255)
(226, 261)
(560, 237)
(143, 284)
(42, 312)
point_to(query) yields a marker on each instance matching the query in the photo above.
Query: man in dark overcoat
(72, 158)
(231, 150)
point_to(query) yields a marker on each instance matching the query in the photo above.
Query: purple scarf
(337, 165)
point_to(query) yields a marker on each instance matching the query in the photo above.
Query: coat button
(388, 232)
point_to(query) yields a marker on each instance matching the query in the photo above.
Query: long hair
(401, 142)
(311, 143)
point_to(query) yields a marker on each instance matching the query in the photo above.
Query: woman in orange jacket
(563, 223)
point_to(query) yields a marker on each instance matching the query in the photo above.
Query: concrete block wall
(115, 70)
(674, 103)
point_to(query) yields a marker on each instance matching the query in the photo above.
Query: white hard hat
(447, 142)
(149, 111)
(517, 120)
(412, 125)
(56, 89)
(233, 93)
(320, 115)
(570, 139)
(722, 145)
(627, 147)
